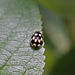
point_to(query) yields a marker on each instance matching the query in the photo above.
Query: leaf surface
(18, 20)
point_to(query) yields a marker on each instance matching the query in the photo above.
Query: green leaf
(64, 7)
(18, 20)
(55, 32)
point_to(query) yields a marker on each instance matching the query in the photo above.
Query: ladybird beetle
(36, 40)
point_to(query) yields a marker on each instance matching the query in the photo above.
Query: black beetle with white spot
(36, 40)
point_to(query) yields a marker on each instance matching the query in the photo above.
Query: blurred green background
(58, 17)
